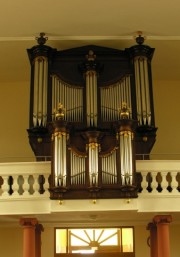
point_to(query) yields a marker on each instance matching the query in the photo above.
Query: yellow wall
(167, 117)
(174, 240)
(11, 242)
(141, 247)
(47, 249)
(14, 120)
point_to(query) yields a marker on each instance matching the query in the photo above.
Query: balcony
(24, 190)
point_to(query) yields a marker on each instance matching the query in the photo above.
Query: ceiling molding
(93, 37)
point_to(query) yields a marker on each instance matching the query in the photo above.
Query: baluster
(144, 183)
(169, 182)
(15, 185)
(26, 185)
(36, 184)
(164, 182)
(154, 182)
(5, 185)
(174, 183)
(1, 183)
(46, 185)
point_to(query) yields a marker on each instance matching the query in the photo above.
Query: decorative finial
(94, 201)
(140, 38)
(60, 202)
(60, 112)
(124, 111)
(41, 39)
(91, 56)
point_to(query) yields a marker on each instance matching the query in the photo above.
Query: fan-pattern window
(94, 240)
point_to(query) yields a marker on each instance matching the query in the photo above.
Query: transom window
(94, 240)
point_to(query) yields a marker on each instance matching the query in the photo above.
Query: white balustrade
(25, 180)
(31, 180)
(162, 176)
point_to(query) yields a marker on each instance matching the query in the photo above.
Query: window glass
(61, 240)
(94, 240)
(127, 239)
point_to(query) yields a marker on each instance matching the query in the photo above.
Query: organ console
(91, 114)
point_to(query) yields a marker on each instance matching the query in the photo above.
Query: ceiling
(73, 23)
(89, 219)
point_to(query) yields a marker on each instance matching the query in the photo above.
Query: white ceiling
(73, 23)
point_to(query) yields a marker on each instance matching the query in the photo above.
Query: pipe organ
(91, 114)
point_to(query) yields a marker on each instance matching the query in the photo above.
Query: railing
(24, 179)
(159, 177)
(31, 180)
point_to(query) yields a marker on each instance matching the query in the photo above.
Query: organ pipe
(141, 56)
(77, 169)
(126, 157)
(60, 159)
(91, 98)
(40, 91)
(93, 149)
(71, 97)
(59, 138)
(109, 168)
(90, 70)
(142, 91)
(120, 92)
(126, 149)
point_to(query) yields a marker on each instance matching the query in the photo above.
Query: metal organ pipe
(93, 163)
(60, 158)
(109, 170)
(130, 159)
(77, 169)
(119, 92)
(142, 91)
(71, 97)
(126, 157)
(147, 92)
(91, 98)
(40, 91)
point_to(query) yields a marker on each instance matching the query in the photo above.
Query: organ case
(78, 100)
